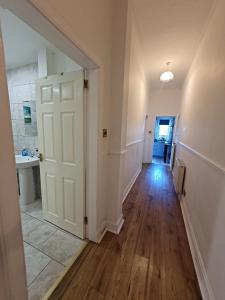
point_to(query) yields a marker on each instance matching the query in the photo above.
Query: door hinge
(85, 84)
(85, 220)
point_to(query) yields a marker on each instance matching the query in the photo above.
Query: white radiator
(178, 175)
(172, 157)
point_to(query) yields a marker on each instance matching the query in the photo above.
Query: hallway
(149, 259)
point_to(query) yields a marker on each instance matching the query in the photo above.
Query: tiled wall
(21, 85)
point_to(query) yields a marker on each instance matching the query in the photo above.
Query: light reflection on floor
(158, 172)
(159, 177)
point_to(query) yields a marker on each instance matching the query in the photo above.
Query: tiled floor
(48, 250)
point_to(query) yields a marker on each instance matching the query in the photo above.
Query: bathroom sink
(24, 166)
(23, 162)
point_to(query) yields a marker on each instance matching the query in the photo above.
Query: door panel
(60, 111)
(68, 137)
(47, 94)
(69, 211)
(52, 206)
(48, 136)
(67, 91)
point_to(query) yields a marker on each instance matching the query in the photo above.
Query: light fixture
(167, 76)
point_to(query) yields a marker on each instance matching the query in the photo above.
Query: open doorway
(163, 139)
(45, 92)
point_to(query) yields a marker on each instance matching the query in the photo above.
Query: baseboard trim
(111, 227)
(115, 228)
(129, 186)
(101, 235)
(203, 280)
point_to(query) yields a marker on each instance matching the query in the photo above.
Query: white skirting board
(203, 280)
(115, 228)
(108, 226)
(101, 235)
(132, 182)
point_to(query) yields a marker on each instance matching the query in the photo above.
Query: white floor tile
(62, 247)
(25, 218)
(36, 232)
(34, 209)
(35, 262)
(48, 252)
(45, 280)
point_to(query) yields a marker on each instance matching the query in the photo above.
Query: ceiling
(22, 44)
(170, 30)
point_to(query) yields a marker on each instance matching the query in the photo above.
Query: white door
(60, 110)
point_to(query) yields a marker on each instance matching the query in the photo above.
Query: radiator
(178, 176)
(172, 157)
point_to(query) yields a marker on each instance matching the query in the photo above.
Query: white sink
(23, 162)
(24, 165)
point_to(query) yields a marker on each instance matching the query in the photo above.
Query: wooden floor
(149, 259)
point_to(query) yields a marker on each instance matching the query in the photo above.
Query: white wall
(117, 114)
(63, 63)
(12, 260)
(162, 102)
(136, 109)
(202, 148)
(54, 62)
(82, 21)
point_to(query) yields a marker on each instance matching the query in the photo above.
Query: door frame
(36, 20)
(153, 131)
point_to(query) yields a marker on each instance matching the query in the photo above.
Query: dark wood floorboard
(149, 259)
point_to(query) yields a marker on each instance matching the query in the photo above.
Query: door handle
(40, 156)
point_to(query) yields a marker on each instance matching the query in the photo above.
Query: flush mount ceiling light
(167, 76)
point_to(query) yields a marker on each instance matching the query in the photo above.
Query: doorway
(46, 97)
(14, 259)
(163, 139)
